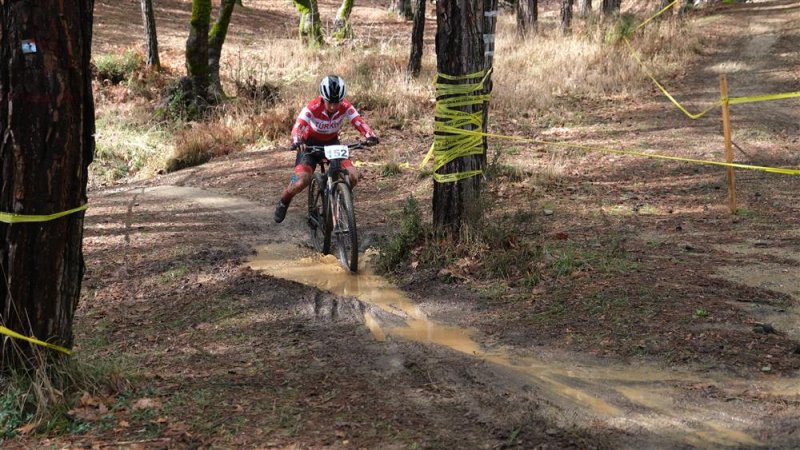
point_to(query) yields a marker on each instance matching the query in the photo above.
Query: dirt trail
(240, 338)
(655, 406)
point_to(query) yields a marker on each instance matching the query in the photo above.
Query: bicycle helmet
(332, 89)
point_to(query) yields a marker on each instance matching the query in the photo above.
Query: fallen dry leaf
(145, 403)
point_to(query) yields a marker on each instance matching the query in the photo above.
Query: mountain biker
(319, 124)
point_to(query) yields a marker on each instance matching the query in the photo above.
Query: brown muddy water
(625, 397)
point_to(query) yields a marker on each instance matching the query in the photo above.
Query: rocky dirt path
(364, 328)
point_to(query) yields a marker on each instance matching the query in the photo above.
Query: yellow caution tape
(22, 218)
(663, 90)
(447, 147)
(14, 334)
(662, 11)
(763, 98)
(587, 148)
(449, 143)
(731, 101)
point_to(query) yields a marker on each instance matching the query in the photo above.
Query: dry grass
(542, 71)
(272, 78)
(39, 398)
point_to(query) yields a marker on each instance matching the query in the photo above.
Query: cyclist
(319, 124)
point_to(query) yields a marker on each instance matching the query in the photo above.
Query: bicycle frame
(330, 209)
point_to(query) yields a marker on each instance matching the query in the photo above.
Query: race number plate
(337, 152)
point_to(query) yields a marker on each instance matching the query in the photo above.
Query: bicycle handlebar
(319, 148)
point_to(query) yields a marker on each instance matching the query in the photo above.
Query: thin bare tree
(401, 7)
(566, 16)
(151, 39)
(527, 17)
(417, 42)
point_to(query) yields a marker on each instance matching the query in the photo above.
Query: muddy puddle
(626, 397)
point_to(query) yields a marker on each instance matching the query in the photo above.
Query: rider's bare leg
(299, 181)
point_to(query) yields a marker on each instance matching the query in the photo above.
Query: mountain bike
(331, 216)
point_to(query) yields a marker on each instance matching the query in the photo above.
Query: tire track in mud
(654, 407)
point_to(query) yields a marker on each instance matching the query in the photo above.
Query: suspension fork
(335, 176)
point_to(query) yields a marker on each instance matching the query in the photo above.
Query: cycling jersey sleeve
(358, 121)
(301, 125)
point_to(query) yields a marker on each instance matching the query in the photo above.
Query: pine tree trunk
(402, 8)
(216, 37)
(417, 39)
(462, 36)
(566, 16)
(584, 8)
(527, 17)
(47, 124)
(148, 16)
(197, 48)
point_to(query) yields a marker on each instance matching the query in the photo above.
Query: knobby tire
(319, 218)
(345, 226)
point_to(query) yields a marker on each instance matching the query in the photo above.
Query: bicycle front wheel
(319, 220)
(344, 226)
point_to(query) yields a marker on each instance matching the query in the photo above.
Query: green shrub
(13, 412)
(118, 68)
(391, 169)
(40, 397)
(622, 29)
(393, 253)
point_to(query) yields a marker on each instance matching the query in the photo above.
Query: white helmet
(332, 89)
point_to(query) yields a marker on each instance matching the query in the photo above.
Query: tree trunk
(527, 17)
(464, 45)
(402, 8)
(417, 39)
(611, 7)
(152, 60)
(584, 8)
(47, 125)
(197, 48)
(310, 22)
(342, 29)
(667, 14)
(216, 37)
(566, 16)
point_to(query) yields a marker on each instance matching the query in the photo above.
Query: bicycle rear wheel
(319, 221)
(344, 226)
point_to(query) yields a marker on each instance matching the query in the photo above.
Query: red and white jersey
(315, 125)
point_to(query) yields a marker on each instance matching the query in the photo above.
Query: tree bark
(342, 29)
(584, 8)
(667, 14)
(417, 39)
(216, 37)
(47, 126)
(527, 17)
(611, 7)
(402, 8)
(566, 16)
(197, 48)
(310, 22)
(148, 17)
(464, 45)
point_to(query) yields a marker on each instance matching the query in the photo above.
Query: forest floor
(660, 320)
